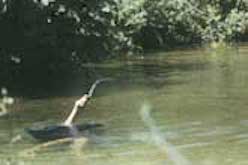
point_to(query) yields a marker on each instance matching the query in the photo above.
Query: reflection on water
(160, 140)
(199, 102)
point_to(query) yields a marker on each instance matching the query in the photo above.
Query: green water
(198, 99)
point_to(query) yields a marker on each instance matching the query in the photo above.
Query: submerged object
(55, 132)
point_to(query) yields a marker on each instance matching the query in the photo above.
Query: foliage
(225, 20)
(170, 23)
(45, 39)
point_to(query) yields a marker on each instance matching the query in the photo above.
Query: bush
(42, 40)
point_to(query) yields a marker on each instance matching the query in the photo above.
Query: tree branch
(37, 148)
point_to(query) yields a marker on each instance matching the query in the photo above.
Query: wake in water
(159, 140)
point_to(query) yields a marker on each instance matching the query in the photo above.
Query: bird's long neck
(72, 115)
(79, 103)
(82, 101)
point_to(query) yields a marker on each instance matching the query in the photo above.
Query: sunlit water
(197, 99)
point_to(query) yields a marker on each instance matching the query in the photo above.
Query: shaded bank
(133, 70)
(44, 44)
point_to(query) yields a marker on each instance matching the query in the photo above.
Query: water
(160, 140)
(199, 105)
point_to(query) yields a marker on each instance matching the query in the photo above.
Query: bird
(67, 128)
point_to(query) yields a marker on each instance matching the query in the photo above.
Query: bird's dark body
(60, 131)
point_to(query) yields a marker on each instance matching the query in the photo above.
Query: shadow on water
(153, 73)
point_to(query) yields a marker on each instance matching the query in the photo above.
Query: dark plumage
(60, 131)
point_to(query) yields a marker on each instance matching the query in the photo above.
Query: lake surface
(198, 102)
